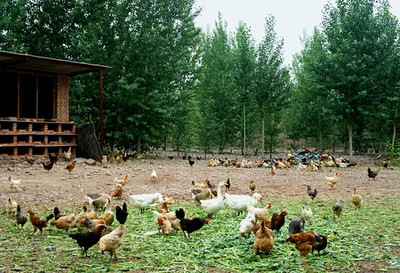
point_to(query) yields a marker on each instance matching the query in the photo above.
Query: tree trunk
(263, 133)
(350, 141)
(139, 140)
(394, 128)
(244, 129)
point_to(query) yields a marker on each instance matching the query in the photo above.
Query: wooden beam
(101, 113)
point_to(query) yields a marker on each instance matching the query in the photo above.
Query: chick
(252, 186)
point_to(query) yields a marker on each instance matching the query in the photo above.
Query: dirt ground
(43, 189)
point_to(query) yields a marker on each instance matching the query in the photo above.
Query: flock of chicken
(204, 195)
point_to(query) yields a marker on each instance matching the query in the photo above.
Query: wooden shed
(34, 104)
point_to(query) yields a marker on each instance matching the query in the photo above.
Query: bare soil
(45, 189)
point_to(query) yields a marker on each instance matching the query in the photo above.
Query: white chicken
(307, 214)
(142, 201)
(212, 206)
(14, 183)
(112, 241)
(247, 223)
(153, 175)
(239, 202)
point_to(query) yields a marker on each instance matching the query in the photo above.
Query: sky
(293, 17)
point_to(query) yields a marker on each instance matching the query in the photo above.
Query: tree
(243, 66)
(270, 81)
(357, 40)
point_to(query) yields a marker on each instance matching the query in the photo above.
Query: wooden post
(101, 112)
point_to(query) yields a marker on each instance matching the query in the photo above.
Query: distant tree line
(173, 85)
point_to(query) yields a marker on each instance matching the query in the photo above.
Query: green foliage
(361, 241)
(392, 151)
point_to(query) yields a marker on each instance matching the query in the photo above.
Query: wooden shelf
(36, 138)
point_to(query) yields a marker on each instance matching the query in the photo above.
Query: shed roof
(18, 61)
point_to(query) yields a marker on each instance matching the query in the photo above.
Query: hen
(336, 209)
(332, 181)
(202, 194)
(278, 220)
(356, 199)
(108, 215)
(202, 185)
(14, 183)
(68, 154)
(71, 166)
(121, 214)
(88, 239)
(21, 217)
(320, 244)
(99, 202)
(252, 186)
(38, 223)
(117, 193)
(191, 162)
(64, 222)
(112, 241)
(48, 166)
(372, 174)
(190, 224)
(121, 182)
(57, 214)
(30, 160)
(264, 240)
(163, 223)
(296, 225)
(11, 206)
(153, 175)
(307, 214)
(304, 242)
(311, 193)
(53, 158)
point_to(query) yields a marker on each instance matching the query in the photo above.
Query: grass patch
(362, 241)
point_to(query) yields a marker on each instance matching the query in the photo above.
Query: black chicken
(189, 224)
(88, 239)
(53, 158)
(320, 244)
(57, 214)
(121, 214)
(228, 184)
(191, 162)
(48, 166)
(311, 193)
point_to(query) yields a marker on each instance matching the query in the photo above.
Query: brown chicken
(57, 213)
(121, 182)
(264, 240)
(71, 166)
(203, 185)
(278, 220)
(252, 186)
(108, 216)
(273, 169)
(117, 193)
(119, 159)
(30, 160)
(304, 242)
(38, 223)
(372, 174)
(163, 224)
(64, 222)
